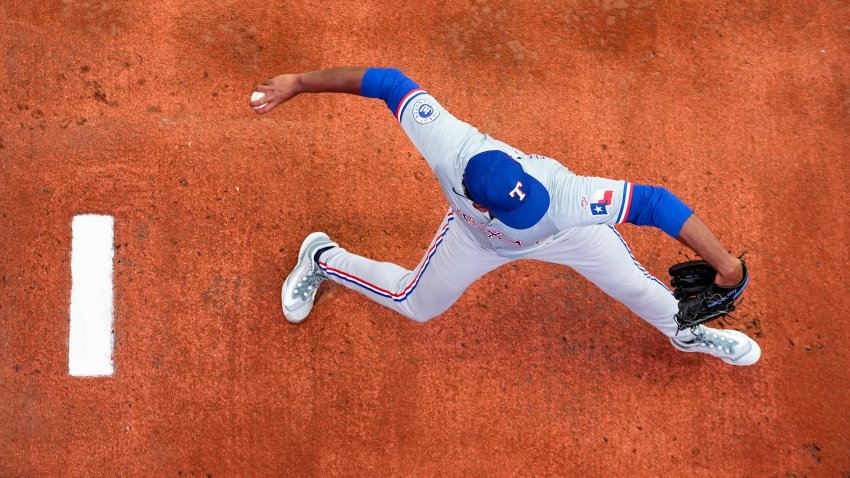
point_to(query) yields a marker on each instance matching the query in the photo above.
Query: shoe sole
(298, 316)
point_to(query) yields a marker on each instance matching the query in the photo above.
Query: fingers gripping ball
(257, 95)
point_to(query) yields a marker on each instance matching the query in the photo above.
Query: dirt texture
(139, 110)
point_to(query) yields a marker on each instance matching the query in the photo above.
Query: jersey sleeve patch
(425, 111)
(600, 201)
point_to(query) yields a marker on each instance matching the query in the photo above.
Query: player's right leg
(451, 263)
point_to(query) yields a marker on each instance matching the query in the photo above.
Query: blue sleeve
(387, 84)
(658, 207)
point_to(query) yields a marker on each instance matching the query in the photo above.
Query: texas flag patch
(600, 201)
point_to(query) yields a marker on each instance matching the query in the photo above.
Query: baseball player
(506, 205)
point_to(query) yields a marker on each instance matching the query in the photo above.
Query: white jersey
(447, 144)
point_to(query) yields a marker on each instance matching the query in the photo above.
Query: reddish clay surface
(138, 110)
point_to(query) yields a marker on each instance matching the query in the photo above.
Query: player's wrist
(299, 85)
(732, 273)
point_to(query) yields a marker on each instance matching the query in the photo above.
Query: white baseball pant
(453, 261)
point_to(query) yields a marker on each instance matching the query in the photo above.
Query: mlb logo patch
(600, 201)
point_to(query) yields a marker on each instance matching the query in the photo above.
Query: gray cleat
(730, 346)
(299, 289)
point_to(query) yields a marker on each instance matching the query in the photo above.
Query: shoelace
(308, 283)
(712, 340)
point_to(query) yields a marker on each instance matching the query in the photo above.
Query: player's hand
(733, 277)
(277, 90)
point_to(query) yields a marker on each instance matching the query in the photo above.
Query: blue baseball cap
(498, 182)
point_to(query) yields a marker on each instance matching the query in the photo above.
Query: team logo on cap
(424, 112)
(600, 201)
(517, 191)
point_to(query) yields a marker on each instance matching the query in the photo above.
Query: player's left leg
(601, 255)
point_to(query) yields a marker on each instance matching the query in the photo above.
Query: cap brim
(533, 208)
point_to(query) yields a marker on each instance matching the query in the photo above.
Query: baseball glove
(700, 299)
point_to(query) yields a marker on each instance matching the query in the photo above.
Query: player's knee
(420, 314)
(421, 310)
(421, 317)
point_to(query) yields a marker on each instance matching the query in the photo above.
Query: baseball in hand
(256, 95)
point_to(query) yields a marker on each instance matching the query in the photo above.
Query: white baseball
(257, 95)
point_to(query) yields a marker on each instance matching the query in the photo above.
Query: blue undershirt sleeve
(658, 207)
(387, 84)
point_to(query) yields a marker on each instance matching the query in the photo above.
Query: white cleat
(730, 346)
(299, 289)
